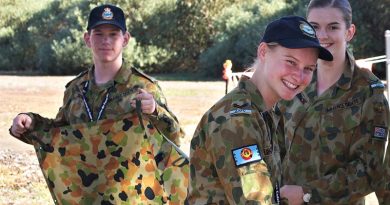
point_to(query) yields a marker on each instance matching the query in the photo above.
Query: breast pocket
(77, 111)
(122, 103)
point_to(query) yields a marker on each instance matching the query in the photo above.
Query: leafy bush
(46, 36)
(239, 29)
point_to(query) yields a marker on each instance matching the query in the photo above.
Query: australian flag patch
(246, 155)
(380, 133)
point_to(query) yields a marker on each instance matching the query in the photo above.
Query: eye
(292, 63)
(315, 27)
(310, 69)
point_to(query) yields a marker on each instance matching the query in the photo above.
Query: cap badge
(307, 29)
(107, 14)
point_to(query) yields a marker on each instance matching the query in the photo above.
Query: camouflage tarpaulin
(111, 162)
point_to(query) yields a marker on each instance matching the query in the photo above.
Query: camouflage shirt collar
(124, 73)
(257, 99)
(121, 77)
(344, 82)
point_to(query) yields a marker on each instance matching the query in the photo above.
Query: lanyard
(102, 107)
(277, 193)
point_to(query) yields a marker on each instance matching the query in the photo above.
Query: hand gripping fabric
(112, 162)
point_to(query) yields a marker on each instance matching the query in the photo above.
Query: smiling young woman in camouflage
(234, 156)
(114, 140)
(336, 130)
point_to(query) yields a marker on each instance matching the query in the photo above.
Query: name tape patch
(246, 155)
(240, 111)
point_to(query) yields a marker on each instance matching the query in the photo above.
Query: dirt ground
(21, 180)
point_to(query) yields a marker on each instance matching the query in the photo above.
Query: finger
(140, 90)
(148, 106)
(144, 96)
(14, 132)
(19, 132)
(19, 124)
(148, 103)
(27, 123)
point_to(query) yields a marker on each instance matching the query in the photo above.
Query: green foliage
(46, 36)
(46, 41)
(146, 57)
(238, 31)
(372, 19)
(14, 15)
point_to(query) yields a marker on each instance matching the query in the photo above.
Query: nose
(105, 39)
(321, 33)
(299, 75)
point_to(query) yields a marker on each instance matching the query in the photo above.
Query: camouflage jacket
(383, 193)
(233, 157)
(335, 142)
(121, 91)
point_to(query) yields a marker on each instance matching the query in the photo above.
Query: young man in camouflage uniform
(234, 156)
(336, 130)
(104, 98)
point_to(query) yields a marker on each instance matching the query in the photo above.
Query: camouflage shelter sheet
(111, 162)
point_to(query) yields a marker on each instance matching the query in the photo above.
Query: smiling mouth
(325, 45)
(290, 85)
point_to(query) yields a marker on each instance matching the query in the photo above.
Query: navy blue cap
(294, 32)
(106, 14)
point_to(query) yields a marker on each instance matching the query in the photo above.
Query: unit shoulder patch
(246, 155)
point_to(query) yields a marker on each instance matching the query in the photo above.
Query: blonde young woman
(234, 156)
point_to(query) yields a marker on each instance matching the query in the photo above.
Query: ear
(262, 50)
(126, 38)
(87, 39)
(350, 32)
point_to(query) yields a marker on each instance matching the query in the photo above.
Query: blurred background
(44, 37)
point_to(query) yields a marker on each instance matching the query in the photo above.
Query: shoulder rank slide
(240, 108)
(246, 155)
(237, 111)
(377, 85)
